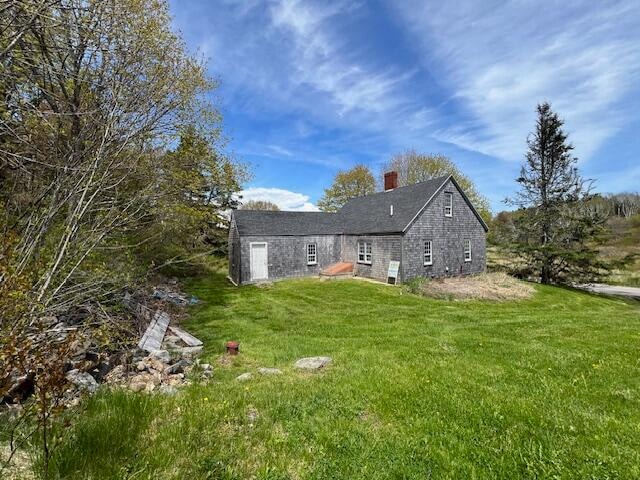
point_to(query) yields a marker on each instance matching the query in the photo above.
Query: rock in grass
(169, 390)
(207, 370)
(269, 371)
(312, 363)
(244, 377)
(82, 380)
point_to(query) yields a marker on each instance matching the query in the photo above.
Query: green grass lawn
(542, 388)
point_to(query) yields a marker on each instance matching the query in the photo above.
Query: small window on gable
(312, 254)
(467, 250)
(448, 204)
(364, 252)
(428, 252)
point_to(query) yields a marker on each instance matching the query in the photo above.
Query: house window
(428, 252)
(364, 252)
(448, 204)
(467, 250)
(312, 255)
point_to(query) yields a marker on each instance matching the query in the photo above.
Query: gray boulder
(312, 363)
(82, 380)
(269, 371)
(244, 377)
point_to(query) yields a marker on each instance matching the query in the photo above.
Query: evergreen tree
(555, 228)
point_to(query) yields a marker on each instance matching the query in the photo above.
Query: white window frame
(430, 254)
(448, 204)
(467, 250)
(365, 254)
(312, 258)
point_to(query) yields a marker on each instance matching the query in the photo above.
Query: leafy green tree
(95, 94)
(347, 184)
(414, 167)
(260, 205)
(556, 225)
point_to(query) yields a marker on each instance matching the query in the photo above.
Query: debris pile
(165, 358)
(173, 297)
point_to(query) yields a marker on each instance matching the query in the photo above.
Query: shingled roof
(369, 214)
(262, 222)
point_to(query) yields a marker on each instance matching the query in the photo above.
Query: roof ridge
(281, 211)
(442, 177)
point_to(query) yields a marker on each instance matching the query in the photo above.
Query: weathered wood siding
(234, 252)
(448, 235)
(287, 256)
(384, 248)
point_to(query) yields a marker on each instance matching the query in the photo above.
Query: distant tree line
(605, 206)
(623, 205)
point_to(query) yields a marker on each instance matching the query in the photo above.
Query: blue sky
(308, 88)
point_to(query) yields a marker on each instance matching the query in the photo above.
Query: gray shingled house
(430, 228)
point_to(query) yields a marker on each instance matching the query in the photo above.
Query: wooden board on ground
(153, 336)
(186, 337)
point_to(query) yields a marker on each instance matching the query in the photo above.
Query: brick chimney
(390, 181)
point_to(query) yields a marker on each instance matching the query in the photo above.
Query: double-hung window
(428, 252)
(364, 252)
(467, 250)
(448, 204)
(312, 254)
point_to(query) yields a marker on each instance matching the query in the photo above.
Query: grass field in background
(547, 387)
(623, 243)
(619, 248)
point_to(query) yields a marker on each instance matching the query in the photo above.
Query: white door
(259, 267)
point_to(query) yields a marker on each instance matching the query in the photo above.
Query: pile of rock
(159, 371)
(152, 372)
(159, 365)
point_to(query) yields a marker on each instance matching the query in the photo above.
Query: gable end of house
(451, 179)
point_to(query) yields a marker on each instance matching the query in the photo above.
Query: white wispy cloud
(284, 199)
(280, 150)
(499, 60)
(321, 58)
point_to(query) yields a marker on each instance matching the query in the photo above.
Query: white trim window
(428, 252)
(364, 252)
(448, 204)
(312, 254)
(467, 250)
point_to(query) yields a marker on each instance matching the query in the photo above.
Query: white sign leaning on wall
(394, 267)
